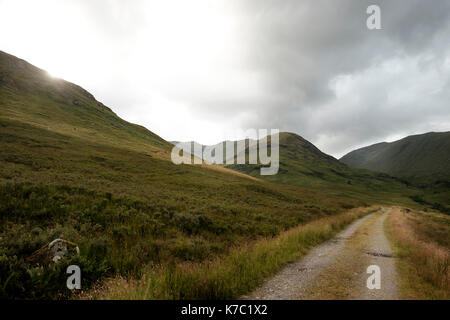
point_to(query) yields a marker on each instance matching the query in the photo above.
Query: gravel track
(336, 269)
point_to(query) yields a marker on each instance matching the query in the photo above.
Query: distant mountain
(420, 158)
(303, 164)
(299, 160)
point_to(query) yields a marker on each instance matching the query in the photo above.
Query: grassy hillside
(423, 160)
(420, 158)
(70, 168)
(303, 164)
(29, 95)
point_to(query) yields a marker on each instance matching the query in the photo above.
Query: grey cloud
(299, 47)
(289, 53)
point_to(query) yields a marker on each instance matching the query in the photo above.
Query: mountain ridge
(65, 107)
(421, 158)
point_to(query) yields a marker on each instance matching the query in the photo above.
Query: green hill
(420, 158)
(29, 95)
(303, 164)
(423, 160)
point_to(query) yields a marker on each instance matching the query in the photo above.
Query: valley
(147, 228)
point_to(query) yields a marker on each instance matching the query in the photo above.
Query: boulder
(55, 251)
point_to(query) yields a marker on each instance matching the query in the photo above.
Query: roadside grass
(229, 276)
(421, 242)
(122, 235)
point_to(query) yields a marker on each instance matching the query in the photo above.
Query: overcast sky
(197, 70)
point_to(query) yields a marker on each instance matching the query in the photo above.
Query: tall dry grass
(426, 261)
(230, 276)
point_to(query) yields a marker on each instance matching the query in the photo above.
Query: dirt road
(337, 269)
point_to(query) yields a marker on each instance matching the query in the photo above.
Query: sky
(204, 69)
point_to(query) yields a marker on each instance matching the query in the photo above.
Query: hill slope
(29, 95)
(303, 164)
(420, 158)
